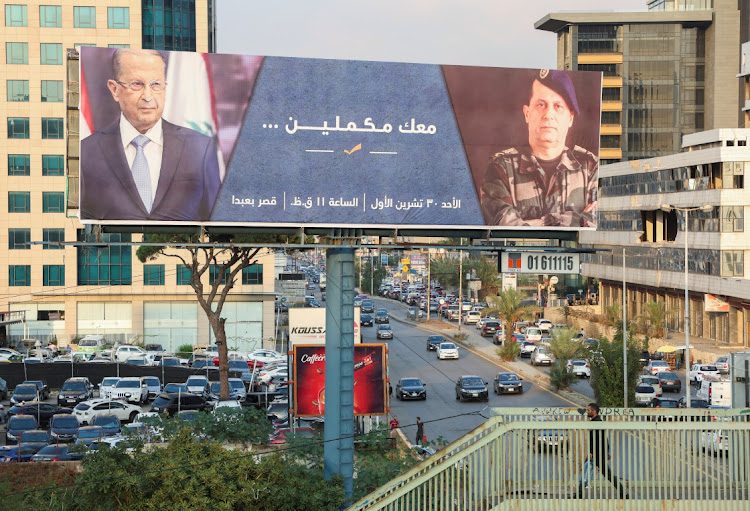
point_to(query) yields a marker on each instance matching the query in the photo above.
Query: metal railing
(534, 458)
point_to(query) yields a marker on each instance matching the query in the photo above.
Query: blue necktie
(141, 173)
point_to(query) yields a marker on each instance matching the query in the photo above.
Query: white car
(197, 385)
(85, 411)
(541, 356)
(265, 356)
(483, 320)
(132, 389)
(715, 442)
(580, 368)
(106, 386)
(533, 333)
(153, 385)
(447, 350)
(699, 371)
(7, 353)
(653, 381)
(656, 366)
(266, 376)
(122, 353)
(471, 317)
(644, 394)
(544, 324)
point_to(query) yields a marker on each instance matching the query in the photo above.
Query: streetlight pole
(624, 332)
(685, 211)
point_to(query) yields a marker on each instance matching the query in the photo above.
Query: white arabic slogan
(407, 127)
(379, 203)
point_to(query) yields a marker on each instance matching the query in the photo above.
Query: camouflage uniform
(515, 190)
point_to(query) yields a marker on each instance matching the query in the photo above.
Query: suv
(18, 424)
(75, 390)
(171, 403)
(471, 387)
(133, 390)
(198, 385)
(122, 353)
(490, 328)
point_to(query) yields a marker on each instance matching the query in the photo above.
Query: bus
(92, 344)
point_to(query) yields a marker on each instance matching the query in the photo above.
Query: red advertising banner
(310, 379)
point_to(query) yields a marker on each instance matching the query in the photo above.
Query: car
(490, 328)
(471, 387)
(715, 442)
(365, 320)
(410, 388)
(527, 348)
(226, 403)
(644, 358)
(669, 381)
(63, 428)
(89, 434)
(105, 387)
(699, 371)
(109, 423)
(368, 307)
(238, 366)
(384, 331)
(197, 385)
(86, 411)
(171, 403)
(653, 381)
(234, 390)
(644, 394)
(550, 439)
(38, 438)
(41, 386)
(283, 435)
(722, 364)
(447, 350)
(694, 403)
(123, 352)
(267, 374)
(169, 362)
(580, 368)
(24, 393)
(17, 453)
(42, 412)
(499, 337)
(414, 313)
(131, 389)
(660, 402)
(508, 383)
(10, 355)
(471, 317)
(266, 356)
(519, 338)
(176, 388)
(434, 341)
(75, 390)
(481, 321)
(533, 333)
(17, 425)
(656, 366)
(153, 384)
(541, 356)
(381, 316)
(278, 410)
(56, 453)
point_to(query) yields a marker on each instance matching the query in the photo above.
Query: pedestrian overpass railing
(533, 459)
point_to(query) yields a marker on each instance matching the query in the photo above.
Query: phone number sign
(539, 262)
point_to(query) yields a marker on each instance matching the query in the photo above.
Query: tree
(225, 260)
(655, 316)
(564, 347)
(613, 314)
(507, 306)
(446, 271)
(607, 371)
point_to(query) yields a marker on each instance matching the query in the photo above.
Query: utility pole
(460, 288)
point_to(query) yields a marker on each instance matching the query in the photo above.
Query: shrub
(184, 351)
(509, 351)
(560, 377)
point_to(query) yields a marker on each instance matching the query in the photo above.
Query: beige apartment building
(68, 290)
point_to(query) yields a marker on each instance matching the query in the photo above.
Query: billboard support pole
(338, 451)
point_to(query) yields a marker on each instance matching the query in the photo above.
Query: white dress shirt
(153, 150)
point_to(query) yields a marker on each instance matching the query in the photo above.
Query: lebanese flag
(86, 122)
(190, 97)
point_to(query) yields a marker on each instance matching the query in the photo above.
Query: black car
(24, 393)
(508, 383)
(365, 319)
(75, 390)
(694, 403)
(17, 425)
(42, 412)
(37, 438)
(109, 423)
(56, 453)
(63, 428)
(170, 402)
(41, 386)
(670, 382)
(644, 358)
(367, 306)
(660, 402)
(382, 317)
(434, 341)
(410, 388)
(490, 328)
(471, 387)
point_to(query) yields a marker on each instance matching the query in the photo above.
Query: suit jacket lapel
(118, 163)
(170, 157)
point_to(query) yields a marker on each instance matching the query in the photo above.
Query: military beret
(560, 82)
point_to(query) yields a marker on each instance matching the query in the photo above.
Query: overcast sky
(465, 32)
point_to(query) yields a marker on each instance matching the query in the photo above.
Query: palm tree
(655, 315)
(613, 314)
(507, 306)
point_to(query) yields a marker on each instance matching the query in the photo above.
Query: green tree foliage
(446, 270)
(184, 351)
(607, 371)
(507, 306)
(564, 346)
(509, 351)
(246, 425)
(613, 314)
(654, 315)
(371, 274)
(560, 377)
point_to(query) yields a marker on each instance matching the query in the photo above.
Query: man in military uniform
(545, 183)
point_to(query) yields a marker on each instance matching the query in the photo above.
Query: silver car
(541, 356)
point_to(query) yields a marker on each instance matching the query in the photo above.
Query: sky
(461, 32)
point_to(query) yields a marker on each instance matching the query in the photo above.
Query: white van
(533, 334)
(717, 392)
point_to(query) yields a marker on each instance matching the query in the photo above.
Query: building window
(51, 237)
(18, 127)
(183, 275)
(19, 202)
(18, 239)
(16, 16)
(732, 219)
(50, 16)
(214, 273)
(53, 202)
(153, 274)
(50, 54)
(84, 17)
(16, 53)
(731, 263)
(52, 165)
(84, 45)
(118, 17)
(19, 275)
(107, 266)
(54, 275)
(253, 274)
(118, 46)
(18, 90)
(19, 165)
(52, 91)
(52, 128)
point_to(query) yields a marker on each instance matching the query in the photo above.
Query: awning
(666, 349)
(683, 347)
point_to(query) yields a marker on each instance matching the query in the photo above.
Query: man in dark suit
(143, 167)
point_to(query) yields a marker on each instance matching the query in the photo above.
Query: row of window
(718, 219)
(50, 16)
(708, 176)
(18, 90)
(20, 165)
(53, 128)
(20, 239)
(153, 275)
(50, 54)
(20, 202)
(714, 263)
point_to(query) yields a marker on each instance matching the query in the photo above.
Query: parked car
(16, 453)
(653, 381)
(86, 411)
(37, 438)
(41, 387)
(124, 352)
(471, 387)
(541, 356)
(694, 403)
(75, 390)
(722, 364)
(169, 362)
(434, 341)
(699, 371)
(42, 412)
(24, 393)
(110, 424)
(660, 402)
(384, 331)
(266, 356)
(197, 385)
(656, 366)
(580, 368)
(411, 388)
(63, 428)
(176, 388)
(365, 319)
(56, 453)
(644, 394)
(89, 434)
(669, 381)
(17, 425)
(131, 389)
(447, 350)
(105, 387)
(171, 403)
(508, 383)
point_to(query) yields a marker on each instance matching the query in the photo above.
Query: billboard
(307, 325)
(713, 303)
(211, 139)
(310, 377)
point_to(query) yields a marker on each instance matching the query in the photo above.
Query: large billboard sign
(310, 379)
(174, 137)
(307, 325)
